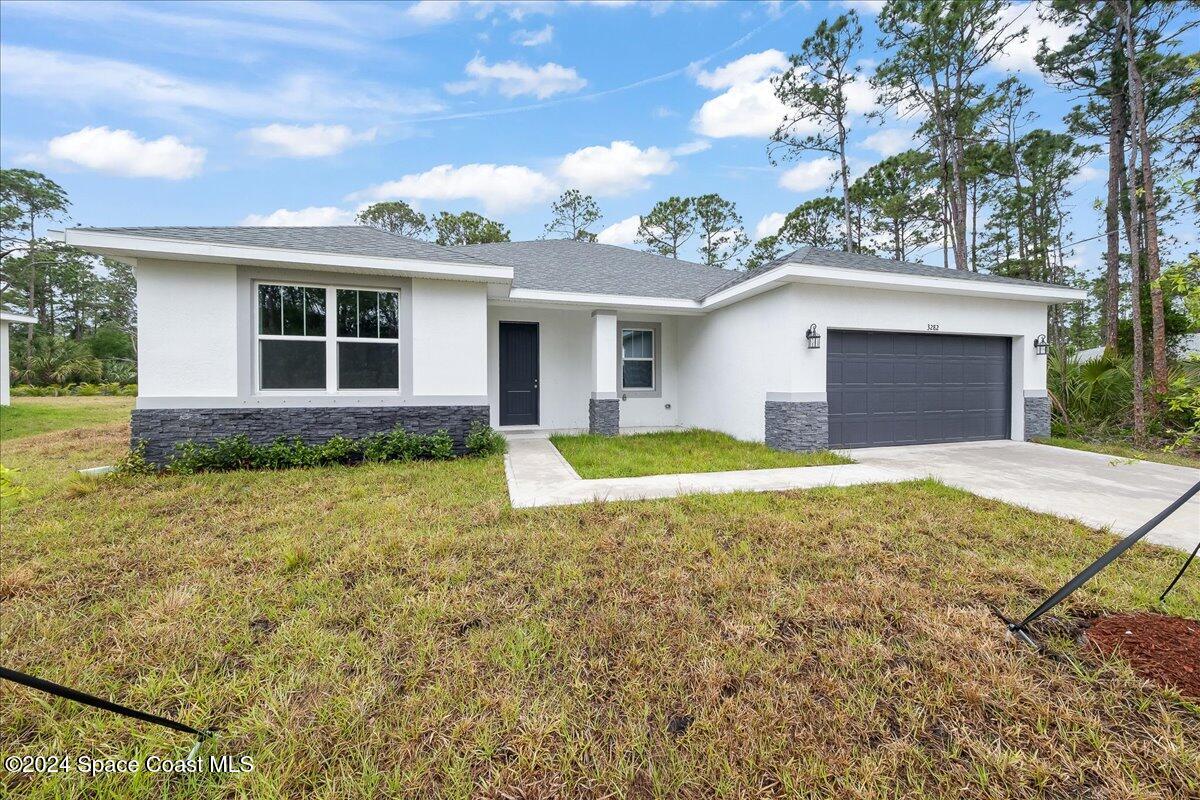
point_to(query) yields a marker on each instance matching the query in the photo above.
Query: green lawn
(1122, 450)
(32, 415)
(398, 630)
(672, 452)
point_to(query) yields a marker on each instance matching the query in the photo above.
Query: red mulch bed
(1159, 648)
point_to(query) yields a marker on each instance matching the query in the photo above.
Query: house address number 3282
(933, 326)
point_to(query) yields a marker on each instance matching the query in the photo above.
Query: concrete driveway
(1098, 490)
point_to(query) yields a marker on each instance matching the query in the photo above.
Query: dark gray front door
(518, 373)
(912, 388)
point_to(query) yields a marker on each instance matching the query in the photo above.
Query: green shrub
(11, 489)
(484, 440)
(238, 452)
(437, 446)
(110, 389)
(134, 462)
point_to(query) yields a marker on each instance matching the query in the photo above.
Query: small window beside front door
(637, 358)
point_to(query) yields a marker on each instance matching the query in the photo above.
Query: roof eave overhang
(10, 316)
(555, 299)
(890, 281)
(131, 248)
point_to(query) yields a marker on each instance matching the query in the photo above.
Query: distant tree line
(84, 304)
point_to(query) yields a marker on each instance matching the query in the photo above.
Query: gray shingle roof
(838, 258)
(355, 240)
(568, 265)
(561, 265)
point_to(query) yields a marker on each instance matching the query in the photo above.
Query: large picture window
(368, 339)
(296, 346)
(291, 337)
(637, 358)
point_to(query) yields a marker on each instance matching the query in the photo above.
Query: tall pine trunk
(1135, 262)
(1112, 210)
(1141, 137)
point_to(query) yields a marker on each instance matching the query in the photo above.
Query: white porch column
(604, 405)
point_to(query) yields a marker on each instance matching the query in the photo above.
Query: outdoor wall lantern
(814, 338)
(1039, 345)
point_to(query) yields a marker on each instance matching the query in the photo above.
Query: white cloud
(512, 79)
(869, 7)
(691, 148)
(64, 77)
(889, 141)
(533, 38)
(860, 99)
(749, 109)
(301, 141)
(1018, 55)
(809, 175)
(620, 167)
(313, 215)
(433, 12)
(747, 69)
(749, 106)
(121, 152)
(623, 232)
(769, 225)
(496, 187)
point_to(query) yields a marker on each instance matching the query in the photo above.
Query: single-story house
(350, 330)
(6, 319)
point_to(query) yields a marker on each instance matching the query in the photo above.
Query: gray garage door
(912, 388)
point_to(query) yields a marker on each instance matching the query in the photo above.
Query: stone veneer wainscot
(162, 428)
(797, 426)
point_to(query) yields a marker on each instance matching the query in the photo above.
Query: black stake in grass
(1162, 598)
(49, 687)
(1020, 629)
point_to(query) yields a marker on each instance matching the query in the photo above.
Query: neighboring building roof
(355, 240)
(570, 265)
(842, 260)
(15, 316)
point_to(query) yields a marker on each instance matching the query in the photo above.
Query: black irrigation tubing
(1019, 629)
(49, 687)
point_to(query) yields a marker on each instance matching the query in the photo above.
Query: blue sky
(276, 113)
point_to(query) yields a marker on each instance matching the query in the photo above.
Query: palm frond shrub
(1088, 397)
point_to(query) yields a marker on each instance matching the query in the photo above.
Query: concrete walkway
(1098, 490)
(538, 475)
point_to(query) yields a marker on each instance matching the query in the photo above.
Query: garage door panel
(881, 371)
(854, 371)
(852, 342)
(894, 389)
(905, 372)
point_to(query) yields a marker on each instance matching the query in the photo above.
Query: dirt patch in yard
(1159, 648)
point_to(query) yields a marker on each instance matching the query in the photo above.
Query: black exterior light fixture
(1039, 345)
(814, 338)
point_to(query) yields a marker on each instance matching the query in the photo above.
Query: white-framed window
(637, 358)
(299, 348)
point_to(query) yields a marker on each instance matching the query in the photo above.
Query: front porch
(574, 370)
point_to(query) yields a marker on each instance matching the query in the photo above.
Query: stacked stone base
(162, 428)
(797, 426)
(604, 416)
(1037, 417)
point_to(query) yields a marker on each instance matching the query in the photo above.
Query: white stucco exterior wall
(5, 397)
(187, 329)
(730, 358)
(449, 338)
